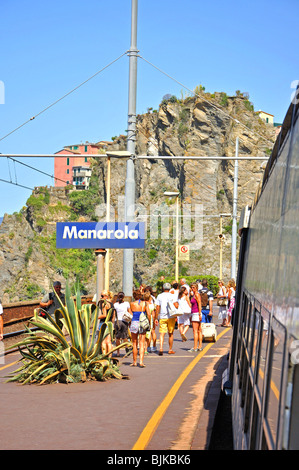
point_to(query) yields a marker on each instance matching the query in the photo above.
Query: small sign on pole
(184, 253)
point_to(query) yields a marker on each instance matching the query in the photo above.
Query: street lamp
(176, 194)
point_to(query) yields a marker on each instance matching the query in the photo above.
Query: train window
(244, 376)
(243, 319)
(244, 313)
(262, 351)
(255, 342)
(251, 326)
(274, 380)
(244, 379)
(247, 407)
(255, 426)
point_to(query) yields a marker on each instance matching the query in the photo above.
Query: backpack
(204, 299)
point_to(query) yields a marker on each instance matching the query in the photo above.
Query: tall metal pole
(221, 248)
(107, 258)
(234, 226)
(177, 241)
(128, 258)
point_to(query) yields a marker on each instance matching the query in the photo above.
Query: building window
(85, 159)
(67, 171)
(86, 148)
(67, 161)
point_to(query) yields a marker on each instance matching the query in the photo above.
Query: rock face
(207, 125)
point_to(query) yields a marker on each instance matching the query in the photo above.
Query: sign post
(100, 255)
(184, 253)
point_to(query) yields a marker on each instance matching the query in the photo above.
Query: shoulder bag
(173, 311)
(222, 302)
(127, 317)
(143, 321)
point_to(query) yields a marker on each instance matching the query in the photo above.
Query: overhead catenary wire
(36, 169)
(16, 184)
(9, 169)
(43, 111)
(90, 78)
(63, 97)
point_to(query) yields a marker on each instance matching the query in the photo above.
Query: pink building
(63, 167)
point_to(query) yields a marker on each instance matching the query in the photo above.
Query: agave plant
(49, 355)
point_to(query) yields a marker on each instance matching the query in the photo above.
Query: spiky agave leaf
(50, 355)
(51, 376)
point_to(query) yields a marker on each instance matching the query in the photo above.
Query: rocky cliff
(207, 125)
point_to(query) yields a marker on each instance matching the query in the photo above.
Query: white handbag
(127, 317)
(173, 311)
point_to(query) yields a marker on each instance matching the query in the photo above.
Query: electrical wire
(41, 112)
(83, 83)
(9, 169)
(16, 184)
(62, 97)
(36, 169)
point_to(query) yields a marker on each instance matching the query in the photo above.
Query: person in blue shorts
(206, 302)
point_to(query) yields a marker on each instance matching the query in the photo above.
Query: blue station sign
(100, 235)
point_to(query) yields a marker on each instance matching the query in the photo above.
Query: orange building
(63, 167)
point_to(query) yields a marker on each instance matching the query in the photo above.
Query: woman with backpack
(122, 319)
(206, 302)
(138, 306)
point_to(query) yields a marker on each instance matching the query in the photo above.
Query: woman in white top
(231, 288)
(120, 325)
(221, 299)
(185, 305)
(175, 290)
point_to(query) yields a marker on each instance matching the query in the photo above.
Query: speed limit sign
(184, 252)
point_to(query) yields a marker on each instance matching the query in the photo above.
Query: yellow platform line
(8, 365)
(157, 416)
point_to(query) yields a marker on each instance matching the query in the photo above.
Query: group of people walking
(137, 320)
(189, 306)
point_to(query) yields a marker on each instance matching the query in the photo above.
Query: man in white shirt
(183, 282)
(166, 324)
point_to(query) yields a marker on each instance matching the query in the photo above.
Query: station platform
(168, 405)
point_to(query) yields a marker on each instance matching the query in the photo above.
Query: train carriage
(263, 373)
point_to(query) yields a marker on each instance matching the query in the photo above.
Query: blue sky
(50, 47)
